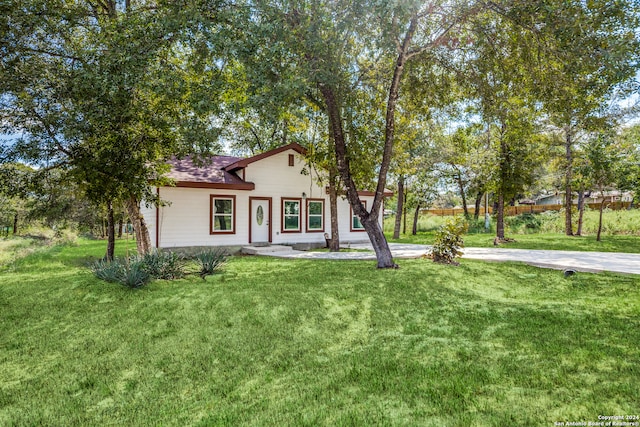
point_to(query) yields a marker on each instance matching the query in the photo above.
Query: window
(290, 215)
(315, 215)
(291, 161)
(223, 218)
(356, 225)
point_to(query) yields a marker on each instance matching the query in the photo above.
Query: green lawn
(11, 249)
(301, 342)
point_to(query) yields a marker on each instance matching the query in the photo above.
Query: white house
(274, 197)
(610, 196)
(591, 196)
(556, 198)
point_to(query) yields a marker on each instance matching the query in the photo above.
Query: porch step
(258, 250)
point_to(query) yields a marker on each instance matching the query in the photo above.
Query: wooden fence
(517, 210)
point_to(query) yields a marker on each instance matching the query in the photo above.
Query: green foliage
(109, 271)
(163, 265)
(449, 241)
(628, 172)
(129, 272)
(622, 228)
(211, 260)
(12, 249)
(104, 92)
(478, 226)
(527, 222)
(134, 274)
(136, 271)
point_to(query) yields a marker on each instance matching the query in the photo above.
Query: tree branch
(55, 54)
(315, 101)
(50, 133)
(436, 41)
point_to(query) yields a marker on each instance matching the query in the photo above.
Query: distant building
(550, 199)
(589, 197)
(609, 196)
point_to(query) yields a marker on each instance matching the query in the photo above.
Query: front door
(260, 220)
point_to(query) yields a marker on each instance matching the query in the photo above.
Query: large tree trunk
(500, 218)
(600, 219)
(478, 203)
(111, 233)
(416, 214)
(399, 206)
(580, 211)
(143, 240)
(334, 243)
(458, 179)
(505, 176)
(368, 219)
(120, 225)
(15, 224)
(568, 176)
(404, 213)
(379, 243)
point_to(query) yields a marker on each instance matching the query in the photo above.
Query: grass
(621, 232)
(621, 222)
(551, 241)
(309, 342)
(15, 248)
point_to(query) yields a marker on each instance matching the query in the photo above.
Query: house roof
(209, 175)
(242, 163)
(527, 202)
(219, 171)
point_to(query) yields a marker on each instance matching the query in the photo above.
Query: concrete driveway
(579, 261)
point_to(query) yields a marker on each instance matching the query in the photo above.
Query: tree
(591, 51)
(410, 154)
(498, 81)
(423, 193)
(101, 90)
(628, 172)
(465, 158)
(342, 52)
(14, 185)
(602, 156)
(516, 145)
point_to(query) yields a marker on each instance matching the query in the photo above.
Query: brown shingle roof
(209, 175)
(242, 163)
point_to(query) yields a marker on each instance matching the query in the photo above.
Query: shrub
(109, 271)
(449, 241)
(129, 272)
(477, 226)
(135, 276)
(527, 222)
(210, 260)
(65, 236)
(163, 265)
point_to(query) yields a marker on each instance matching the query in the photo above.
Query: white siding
(344, 221)
(274, 178)
(185, 221)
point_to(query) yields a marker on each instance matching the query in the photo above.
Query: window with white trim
(290, 215)
(223, 214)
(315, 215)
